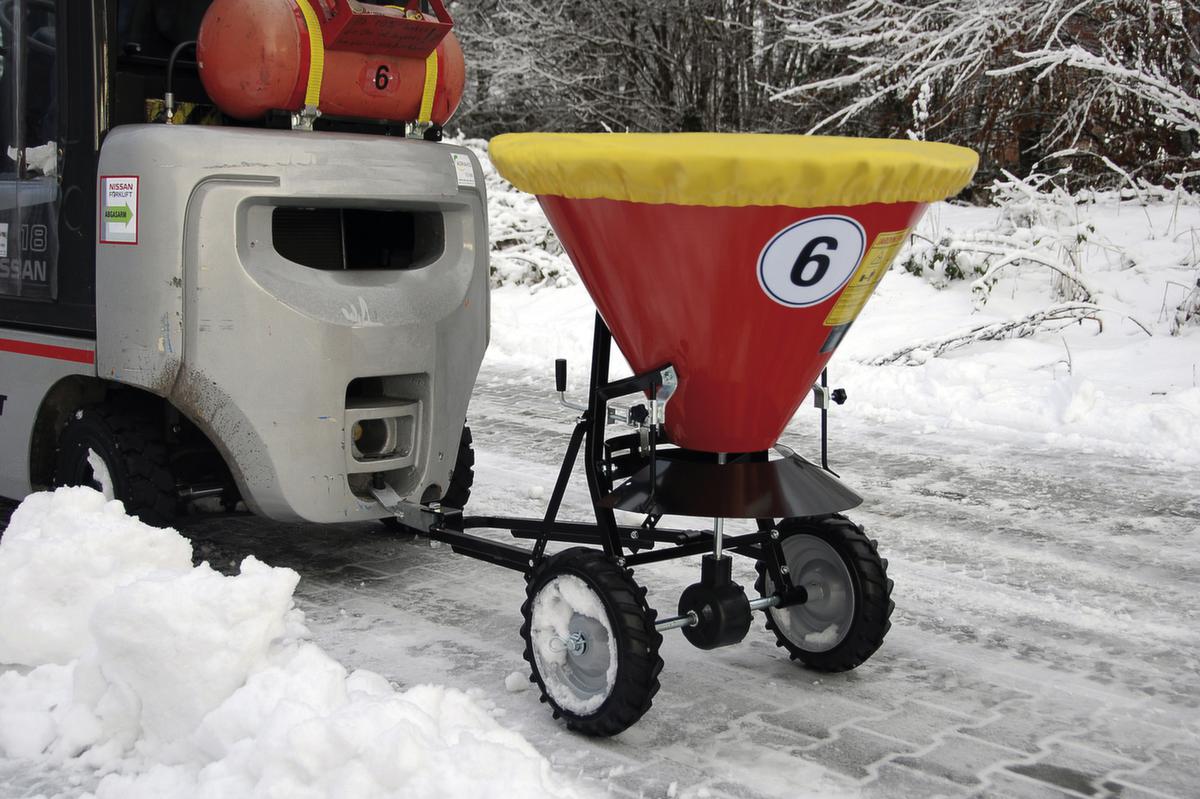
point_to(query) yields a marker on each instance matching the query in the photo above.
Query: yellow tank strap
(431, 77)
(316, 54)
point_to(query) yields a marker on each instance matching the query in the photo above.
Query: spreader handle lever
(560, 375)
(560, 385)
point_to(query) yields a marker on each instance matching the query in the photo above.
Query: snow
(158, 678)
(101, 474)
(823, 639)
(553, 618)
(61, 556)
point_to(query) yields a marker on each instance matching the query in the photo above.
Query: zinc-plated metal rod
(691, 619)
(675, 622)
(762, 603)
(200, 493)
(719, 523)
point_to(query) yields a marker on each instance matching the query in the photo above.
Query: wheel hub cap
(824, 620)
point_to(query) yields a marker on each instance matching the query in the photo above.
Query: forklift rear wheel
(122, 454)
(461, 480)
(846, 616)
(590, 641)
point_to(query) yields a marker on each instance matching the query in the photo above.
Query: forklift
(281, 301)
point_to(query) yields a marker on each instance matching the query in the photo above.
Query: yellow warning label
(864, 280)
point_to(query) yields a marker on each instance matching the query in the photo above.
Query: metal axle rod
(690, 619)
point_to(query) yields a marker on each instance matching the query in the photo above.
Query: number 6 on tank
(808, 262)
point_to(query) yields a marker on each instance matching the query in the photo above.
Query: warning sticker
(118, 210)
(864, 280)
(3, 239)
(463, 169)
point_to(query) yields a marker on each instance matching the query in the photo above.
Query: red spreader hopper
(740, 259)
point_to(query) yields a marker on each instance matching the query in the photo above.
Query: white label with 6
(808, 262)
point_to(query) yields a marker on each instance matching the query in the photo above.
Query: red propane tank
(256, 56)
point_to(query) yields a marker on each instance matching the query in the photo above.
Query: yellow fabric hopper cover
(732, 169)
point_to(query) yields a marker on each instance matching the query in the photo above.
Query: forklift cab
(62, 88)
(31, 129)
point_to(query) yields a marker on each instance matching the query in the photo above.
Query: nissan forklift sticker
(119, 210)
(463, 169)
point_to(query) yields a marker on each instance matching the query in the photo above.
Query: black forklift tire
(132, 448)
(860, 577)
(628, 695)
(458, 493)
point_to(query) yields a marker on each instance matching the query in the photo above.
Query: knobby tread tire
(638, 643)
(132, 446)
(872, 593)
(458, 493)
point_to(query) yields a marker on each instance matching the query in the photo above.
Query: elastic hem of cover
(732, 169)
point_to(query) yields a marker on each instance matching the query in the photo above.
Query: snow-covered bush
(942, 260)
(1041, 225)
(1088, 255)
(1188, 312)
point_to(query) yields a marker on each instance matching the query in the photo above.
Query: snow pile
(169, 680)
(59, 559)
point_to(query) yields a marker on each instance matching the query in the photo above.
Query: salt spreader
(728, 268)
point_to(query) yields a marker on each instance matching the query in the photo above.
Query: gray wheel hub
(824, 620)
(572, 645)
(585, 670)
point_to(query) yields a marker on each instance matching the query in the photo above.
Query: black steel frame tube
(747, 545)
(588, 436)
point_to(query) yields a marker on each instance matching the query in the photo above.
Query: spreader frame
(627, 545)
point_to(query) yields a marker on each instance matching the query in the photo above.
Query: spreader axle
(690, 619)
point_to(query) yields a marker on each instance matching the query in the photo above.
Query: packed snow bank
(167, 680)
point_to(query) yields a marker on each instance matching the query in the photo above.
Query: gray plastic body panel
(25, 380)
(258, 350)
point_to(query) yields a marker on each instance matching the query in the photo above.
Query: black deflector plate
(790, 486)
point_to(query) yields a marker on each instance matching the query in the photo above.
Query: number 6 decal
(808, 262)
(382, 76)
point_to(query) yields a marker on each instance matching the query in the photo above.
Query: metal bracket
(658, 406)
(822, 396)
(304, 119)
(418, 517)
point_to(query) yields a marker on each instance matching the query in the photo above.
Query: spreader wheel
(845, 617)
(590, 641)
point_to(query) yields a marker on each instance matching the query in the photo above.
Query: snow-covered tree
(1114, 81)
(689, 65)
